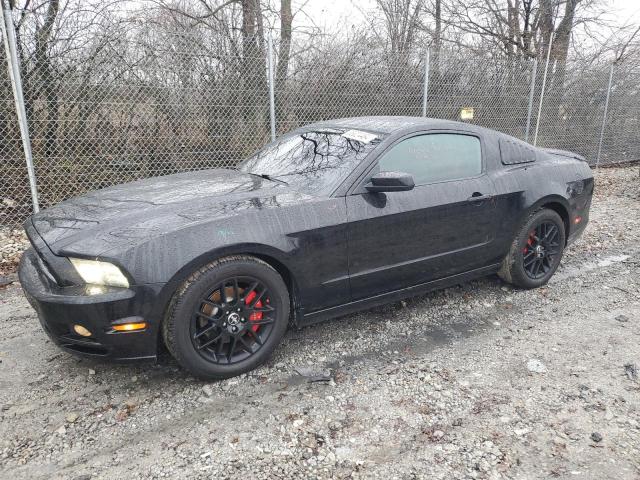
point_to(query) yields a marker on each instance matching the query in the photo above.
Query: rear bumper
(93, 307)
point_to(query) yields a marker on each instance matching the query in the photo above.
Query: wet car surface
(349, 213)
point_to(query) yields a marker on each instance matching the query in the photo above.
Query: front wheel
(227, 317)
(536, 251)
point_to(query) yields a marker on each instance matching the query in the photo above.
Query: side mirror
(390, 182)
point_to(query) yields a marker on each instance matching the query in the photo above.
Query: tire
(217, 327)
(519, 266)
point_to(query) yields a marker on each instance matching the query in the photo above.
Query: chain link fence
(496, 89)
(177, 109)
(15, 197)
(103, 134)
(621, 130)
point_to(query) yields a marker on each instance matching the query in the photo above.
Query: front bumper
(580, 207)
(577, 231)
(93, 307)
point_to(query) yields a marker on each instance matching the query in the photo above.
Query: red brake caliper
(529, 242)
(255, 316)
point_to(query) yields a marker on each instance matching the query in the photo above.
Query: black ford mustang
(331, 218)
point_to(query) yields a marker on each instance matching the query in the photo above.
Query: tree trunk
(546, 28)
(560, 49)
(284, 53)
(253, 63)
(48, 85)
(437, 37)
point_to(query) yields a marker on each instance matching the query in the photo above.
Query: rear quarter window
(514, 152)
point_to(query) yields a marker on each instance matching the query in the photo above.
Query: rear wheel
(536, 251)
(227, 317)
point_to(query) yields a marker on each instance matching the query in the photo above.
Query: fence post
(272, 99)
(9, 36)
(604, 118)
(425, 95)
(532, 90)
(544, 84)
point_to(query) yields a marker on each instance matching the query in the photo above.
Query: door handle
(477, 197)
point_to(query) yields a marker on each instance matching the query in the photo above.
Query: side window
(435, 157)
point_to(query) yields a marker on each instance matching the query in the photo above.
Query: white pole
(604, 118)
(544, 83)
(9, 36)
(272, 99)
(425, 95)
(532, 90)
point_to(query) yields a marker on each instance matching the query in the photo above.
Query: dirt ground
(476, 381)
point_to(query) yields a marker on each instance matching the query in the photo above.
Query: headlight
(99, 273)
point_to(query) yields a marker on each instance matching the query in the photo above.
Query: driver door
(443, 226)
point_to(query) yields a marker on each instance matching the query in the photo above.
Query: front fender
(276, 258)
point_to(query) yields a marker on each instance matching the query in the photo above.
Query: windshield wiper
(268, 177)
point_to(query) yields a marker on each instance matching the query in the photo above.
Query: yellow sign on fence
(466, 113)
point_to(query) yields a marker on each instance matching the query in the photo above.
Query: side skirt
(394, 296)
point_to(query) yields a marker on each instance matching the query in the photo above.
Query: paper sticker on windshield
(363, 137)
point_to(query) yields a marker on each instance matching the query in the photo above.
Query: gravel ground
(476, 381)
(12, 244)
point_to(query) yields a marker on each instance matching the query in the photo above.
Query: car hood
(129, 213)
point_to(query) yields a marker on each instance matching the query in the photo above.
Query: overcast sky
(330, 15)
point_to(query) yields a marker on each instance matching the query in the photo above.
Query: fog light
(129, 327)
(80, 330)
(577, 220)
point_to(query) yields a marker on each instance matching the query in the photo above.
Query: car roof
(390, 124)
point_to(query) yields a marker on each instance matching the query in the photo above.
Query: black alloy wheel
(543, 245)
(227, 317)
(536, 250)
(233, 321)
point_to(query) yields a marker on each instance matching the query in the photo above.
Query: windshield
(312, 161)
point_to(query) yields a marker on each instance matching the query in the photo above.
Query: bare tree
(521, 28)
(401, 23)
